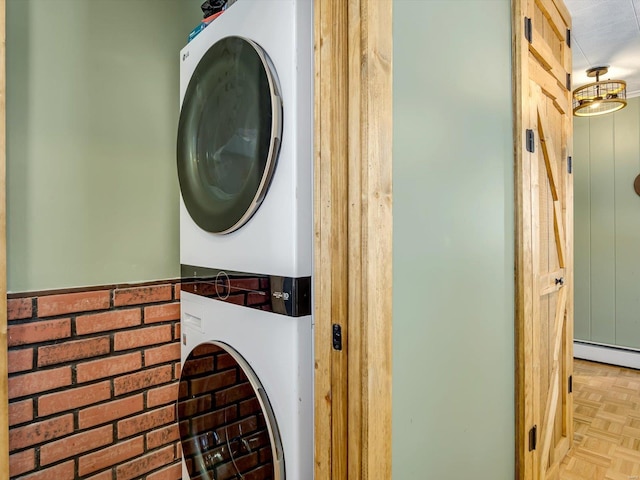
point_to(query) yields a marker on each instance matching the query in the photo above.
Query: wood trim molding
(331, 235)
(370, 242)
(353, 235)
(4, 402)
(524, 275)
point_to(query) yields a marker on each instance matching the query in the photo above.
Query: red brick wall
(93, 383)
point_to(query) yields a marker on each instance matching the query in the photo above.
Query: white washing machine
(245, 407)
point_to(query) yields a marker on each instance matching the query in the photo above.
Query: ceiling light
(598, 98)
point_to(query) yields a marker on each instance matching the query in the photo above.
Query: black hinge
(570, 164)
(569, 81)
(528, 29)
(533, 438)
(337, 337)
(568, 37)
(570, 383)
(531, 142)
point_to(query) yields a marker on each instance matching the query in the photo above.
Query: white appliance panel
(279, 350)
(277, 240)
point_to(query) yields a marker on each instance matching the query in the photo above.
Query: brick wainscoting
(93, 378)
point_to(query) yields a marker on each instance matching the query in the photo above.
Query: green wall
(453, 281)
(92, 106)
(607, 227)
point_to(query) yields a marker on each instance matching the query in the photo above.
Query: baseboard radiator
(613, 355)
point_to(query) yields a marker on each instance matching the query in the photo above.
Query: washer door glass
(227, 427)
(229, 134)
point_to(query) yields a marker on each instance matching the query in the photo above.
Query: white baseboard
(607, 354)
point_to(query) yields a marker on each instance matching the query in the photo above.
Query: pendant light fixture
(599, 97)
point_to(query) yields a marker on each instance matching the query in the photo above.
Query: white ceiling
(606, 33)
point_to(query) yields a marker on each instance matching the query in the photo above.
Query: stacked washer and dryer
(245, 406)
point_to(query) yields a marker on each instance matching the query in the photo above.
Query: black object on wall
(212, 6)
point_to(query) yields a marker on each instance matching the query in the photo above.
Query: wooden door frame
(523, 267)
(4, 371)
(353, 234)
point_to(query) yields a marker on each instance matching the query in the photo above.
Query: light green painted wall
(92, 106)
(453, 281)
(607, 227)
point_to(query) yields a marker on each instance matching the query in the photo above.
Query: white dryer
(244, 154)
(245, 148)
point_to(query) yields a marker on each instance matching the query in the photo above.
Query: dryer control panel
(282, 295)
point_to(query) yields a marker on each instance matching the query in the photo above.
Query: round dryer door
(229, 134)
(227, 427)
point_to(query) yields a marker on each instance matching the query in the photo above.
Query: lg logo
(185, 55)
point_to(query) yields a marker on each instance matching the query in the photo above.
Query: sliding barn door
(544, 209)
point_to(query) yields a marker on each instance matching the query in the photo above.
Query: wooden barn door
(544, 209)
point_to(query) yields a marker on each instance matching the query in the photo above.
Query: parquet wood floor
(607, 424)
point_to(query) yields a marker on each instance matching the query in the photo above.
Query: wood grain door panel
(544, 249)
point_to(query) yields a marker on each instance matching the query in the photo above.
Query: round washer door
(227, 427)
(229, 134)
